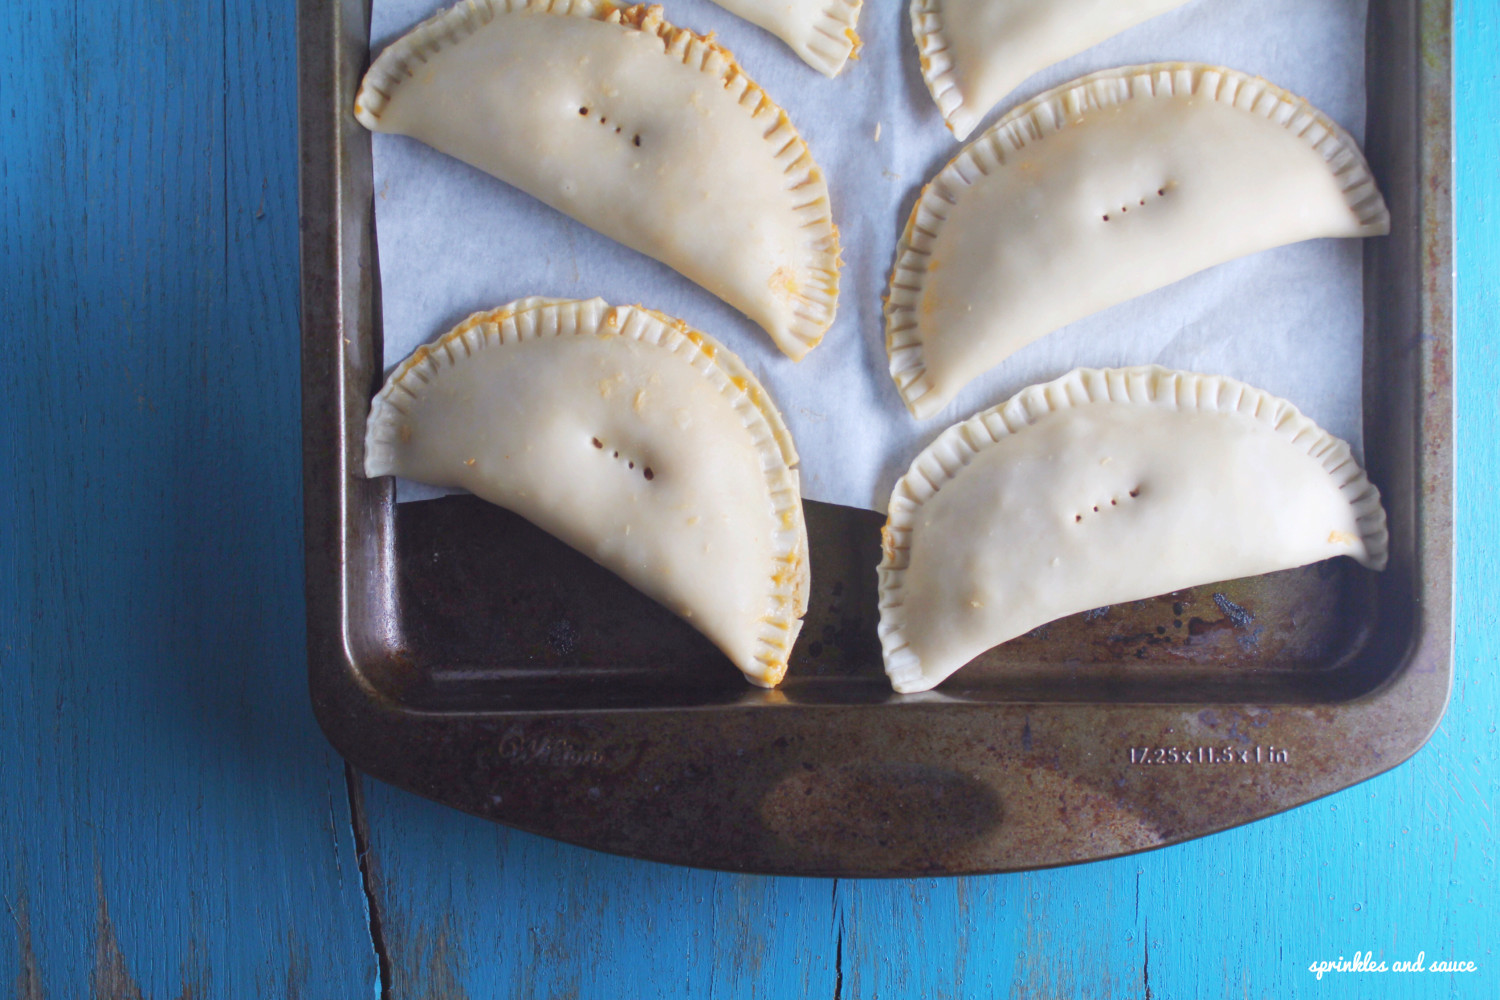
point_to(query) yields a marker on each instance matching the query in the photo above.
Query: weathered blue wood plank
(469, 909)
(1400, 865)
(171, 821)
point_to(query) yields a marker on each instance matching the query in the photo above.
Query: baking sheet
(453, 240)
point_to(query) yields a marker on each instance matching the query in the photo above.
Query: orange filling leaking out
(647, 18)
(783, 283)
(703, 345)
(855, 41)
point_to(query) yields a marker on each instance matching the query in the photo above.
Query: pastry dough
(974, 52)
(820, 31)
(648, 133)
(1102, 487)
(1101, 190)
(643, 444)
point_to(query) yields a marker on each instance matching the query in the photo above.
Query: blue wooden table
(172, 824)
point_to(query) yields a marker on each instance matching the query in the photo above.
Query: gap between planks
(359, 825)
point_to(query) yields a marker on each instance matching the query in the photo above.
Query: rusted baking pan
(458, 652)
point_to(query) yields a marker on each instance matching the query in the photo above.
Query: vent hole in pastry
(1161, 192)
(646, 470)
(636, 140)
(583, 112)
(1113, 502)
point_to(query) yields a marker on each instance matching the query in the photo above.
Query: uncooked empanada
(974, 52)
(1104, 487)
(645, 445)
(820, 31)
(1101, 190)
(648, 133)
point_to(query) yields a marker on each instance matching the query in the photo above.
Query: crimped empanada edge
(1147, 385)
(537, 317)
(834, 40)
(937, 67)
(447, 27)
(816, 291)
(1060, 108)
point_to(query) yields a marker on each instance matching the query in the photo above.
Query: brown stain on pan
(887, 808)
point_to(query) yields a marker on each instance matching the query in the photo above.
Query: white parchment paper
(453, 241)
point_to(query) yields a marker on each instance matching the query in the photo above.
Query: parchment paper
(453, 240)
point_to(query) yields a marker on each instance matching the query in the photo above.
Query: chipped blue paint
(171, 823)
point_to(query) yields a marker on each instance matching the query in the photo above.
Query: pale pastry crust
(1102, 487)
(650, 134)
(974, 52)
(821, 32)
(640, 442)
(1101, 190)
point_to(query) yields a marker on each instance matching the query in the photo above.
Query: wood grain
(470, 909)
(172, 823)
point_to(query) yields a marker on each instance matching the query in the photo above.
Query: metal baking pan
(460, 653)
